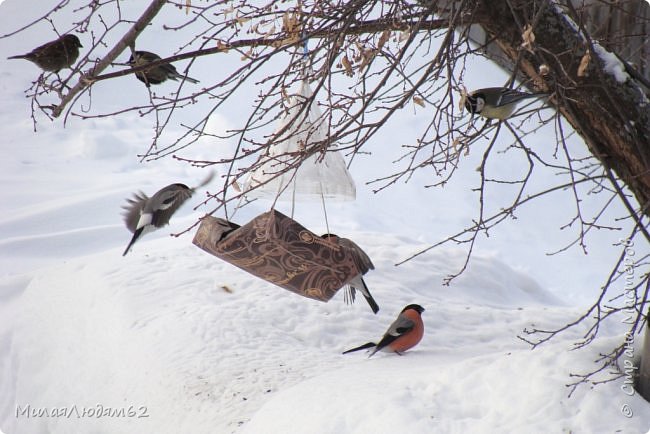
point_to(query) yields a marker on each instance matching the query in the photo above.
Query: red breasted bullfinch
(403, 334)
(364, 264)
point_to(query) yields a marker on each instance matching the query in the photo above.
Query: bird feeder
(281, 251)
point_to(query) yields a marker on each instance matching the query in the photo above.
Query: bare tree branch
(127, 40)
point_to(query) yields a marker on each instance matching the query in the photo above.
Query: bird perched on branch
(496, 102)
(363, 263)
(54, 55)
(403, 334)
(145, 214)
(156, 74)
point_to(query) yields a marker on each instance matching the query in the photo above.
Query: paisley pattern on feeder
(281, 251)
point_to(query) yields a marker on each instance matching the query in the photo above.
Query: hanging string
(282, 186)
(293, 196)
(305, 47)
(322, 199)
(305, 57)
(305, 54)
(305, 68)
(232, 216)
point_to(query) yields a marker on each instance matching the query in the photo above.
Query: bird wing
(512, 96)
(500, 96)
(207, 181)
(39, 52)
(134, 209)
(143, 57)
(171, 71)
(360, 257)
(400, 326)
(45, 50)
(166, 202)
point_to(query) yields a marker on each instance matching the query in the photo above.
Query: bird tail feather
(136, 235)
(349, 295)
(361, 347)
(366, 294)
(190, 79)
(373, 304)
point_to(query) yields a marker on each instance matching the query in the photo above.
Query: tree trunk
(643, 385)
(612, 115)
(621, 27)
(610, 109)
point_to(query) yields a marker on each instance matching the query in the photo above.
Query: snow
(613, 65)
(196, 345)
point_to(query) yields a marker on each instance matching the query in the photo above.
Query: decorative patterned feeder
(278, 249)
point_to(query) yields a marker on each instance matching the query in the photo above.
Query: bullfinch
(403, 334)
(364, 264)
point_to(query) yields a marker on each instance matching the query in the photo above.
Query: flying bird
(54, 55)
(156, 74)
(403, 334)
(496, 102)
(363, 263)
(145, 214)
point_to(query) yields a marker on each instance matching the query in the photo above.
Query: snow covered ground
(152, 342)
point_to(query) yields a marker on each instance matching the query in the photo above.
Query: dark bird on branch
(54, 55)
(156, 74)
(496, 102)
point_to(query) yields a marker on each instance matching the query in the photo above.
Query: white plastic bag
(320, 176)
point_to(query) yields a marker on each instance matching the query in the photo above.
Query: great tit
(496, 102)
